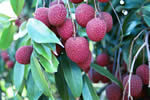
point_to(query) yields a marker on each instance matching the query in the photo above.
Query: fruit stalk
(96, 10)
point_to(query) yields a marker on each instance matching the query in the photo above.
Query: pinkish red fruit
(10, 64)
(96, 29)
(18, 22)
(77, 49)
(143, 72)
(66, 30)
(56, 2)
(113, 92)
(41, 14)
(136, 85)
(84, 13)
(102, 59)
(5, 56)
(76, 1)
(103, 1)
(23, 54)
(108, 19)
(57, 14)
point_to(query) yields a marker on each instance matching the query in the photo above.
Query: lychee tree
(75, 50)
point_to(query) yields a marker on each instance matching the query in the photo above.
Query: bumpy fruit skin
(56, 2)
(102, 59)
(66, 30)
(76, 1)
(143, 72)
(136, 85)
(23, 54)
(86, 65)
(41, 14)
(96, 29)
(5, 56)
(10, 64)
(77, 49)
(84, 13)
(57, 14)
(103, 0)
(113, 92)
(108, 19)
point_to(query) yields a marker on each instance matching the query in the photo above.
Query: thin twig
(44, 3)
(96, 10)
(37, 3)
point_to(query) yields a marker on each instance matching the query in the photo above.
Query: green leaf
(106, 73)
(61, 84)
(33, 91)
(17, 6)
(23, 29)
(4, 21)
(147, 20)
(18, 75)
(40, 33)
(49, 65)
(6, 36)
(39, 77)
(88, 91)
(43, 50)
(72, 75)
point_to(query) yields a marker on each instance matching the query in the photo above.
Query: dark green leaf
(106, 73)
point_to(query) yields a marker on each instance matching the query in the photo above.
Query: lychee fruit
(108, 20)
(96, 29)
(86, 65)
(10, 64)
(66, 29)
(84, 13)
(77, 49)
(102, 59)
(56, 2)
(113, 92)
(5, 56)
(76, 1)
(103, 1)
(41, 14)
(18, 22)
(143, 72)
(23, 54)
(136, 85)
(57, 14)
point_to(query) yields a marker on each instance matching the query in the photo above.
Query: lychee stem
(58, 1)
(70, 13)
(37, 3)
(117, 19)
(132, 66)
(96, 10)
(86, 1)
(148, 53)
(43, 3)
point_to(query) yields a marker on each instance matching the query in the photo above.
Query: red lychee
(96, 29)
(10, 64)
(77, 49)
(56, 2)
(41, 14)
(57, 14)
(136, 85)
(102, 59)
(84, 13)
(5, 56)
(76, 1)
(113, 92)
(108, 19)
(86, 65)
(23, 54)
(66, 30)
(103, 0)
(18, 22)
(143, 72)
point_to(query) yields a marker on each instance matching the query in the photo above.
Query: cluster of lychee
(6, 58)
(137, 83)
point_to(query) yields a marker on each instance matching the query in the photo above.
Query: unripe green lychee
(41, 14)
(66, 29)
(57, 14)
(23, 54)
(84, 13)
(77, 49)
(96, 29)
(76, 1)
(102, 59)
(108, 19)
